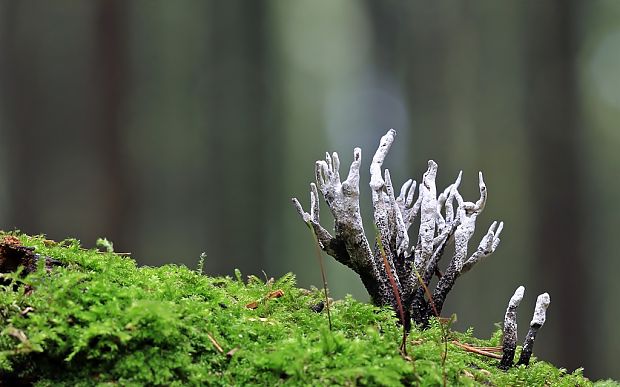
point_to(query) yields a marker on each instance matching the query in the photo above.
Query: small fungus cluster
(510, 329)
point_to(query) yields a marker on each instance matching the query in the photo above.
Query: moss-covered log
(97, 318)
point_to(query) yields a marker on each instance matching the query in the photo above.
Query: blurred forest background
(174, 128)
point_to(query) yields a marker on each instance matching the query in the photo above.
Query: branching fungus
(412, 266)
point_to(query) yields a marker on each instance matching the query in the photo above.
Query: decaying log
(14, 255)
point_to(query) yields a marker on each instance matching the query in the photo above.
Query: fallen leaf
(12, 241)
(276, 294)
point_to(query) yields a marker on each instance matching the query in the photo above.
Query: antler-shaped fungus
(440, 224)
(412, 269)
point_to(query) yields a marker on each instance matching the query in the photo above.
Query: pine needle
(319, 256)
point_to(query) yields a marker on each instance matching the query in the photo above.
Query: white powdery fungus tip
(483, 194)
(457, 183)
(299, 208)
(487, 246)
(516, 299)
(336, 161)
(376, 181)
(404, 188)
(314, 202)
(320, 169)
(431, 172)
(449, 209)
(404, 202)
(499, 229)
(402, 197)
(540, 312)
(353, 178)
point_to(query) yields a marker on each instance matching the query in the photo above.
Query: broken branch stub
(411, 265)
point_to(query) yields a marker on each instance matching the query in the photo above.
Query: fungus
(412, 266)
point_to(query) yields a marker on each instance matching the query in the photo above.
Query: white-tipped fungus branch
(412, 266)
(510, 329)
(540, 315)
(509, 344)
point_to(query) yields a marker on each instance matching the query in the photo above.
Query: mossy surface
(100, 319)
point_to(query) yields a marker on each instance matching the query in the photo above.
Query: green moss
(99, 319)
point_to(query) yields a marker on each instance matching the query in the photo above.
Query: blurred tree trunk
(62, 98)
(243, 143)
(202, 86)
(554, 123)
(19, 96)
(413, 41)
(111, 80)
